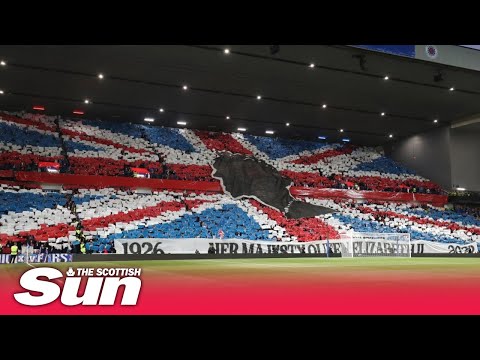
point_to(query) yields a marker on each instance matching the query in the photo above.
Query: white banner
(36, 258)
(238, 246)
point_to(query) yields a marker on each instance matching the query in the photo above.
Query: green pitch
(298, 265)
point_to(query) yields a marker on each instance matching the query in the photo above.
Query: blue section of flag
(16, 135)
(23, 201)
(168, 137)
(129, 129)
(279, 148)
(402, 50)
(369, 226)
(233, 221)
(384, 165)
(446, 215)
(72, 146)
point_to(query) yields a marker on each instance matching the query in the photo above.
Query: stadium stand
(107, 148)
(109, 214)
(422, 222)
(33, 212)
(87, 147)
(26, 141)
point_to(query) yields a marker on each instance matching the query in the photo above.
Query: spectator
(13, 253)
(19, 245)
(83, 249)
(36, 247)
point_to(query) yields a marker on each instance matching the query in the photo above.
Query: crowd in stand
(31, 246)
(106, 148)
(468, 210)
(352, 183)
(423, 222)
(89, 220)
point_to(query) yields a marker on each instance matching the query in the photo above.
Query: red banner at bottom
(266, 288)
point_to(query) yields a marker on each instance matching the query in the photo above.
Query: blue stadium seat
(24, 201)
(168, 137)
(278, 148)
(384, 165)
(132, 130)
(13, 134)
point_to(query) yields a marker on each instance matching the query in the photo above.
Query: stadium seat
(109, 214)
(108, 148)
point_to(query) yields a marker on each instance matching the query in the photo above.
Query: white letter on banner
(29, 281)
(90, 295)
(130, 294)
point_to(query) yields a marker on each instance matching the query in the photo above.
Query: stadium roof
(139, 80)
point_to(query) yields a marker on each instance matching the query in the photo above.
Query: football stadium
(239, 179)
